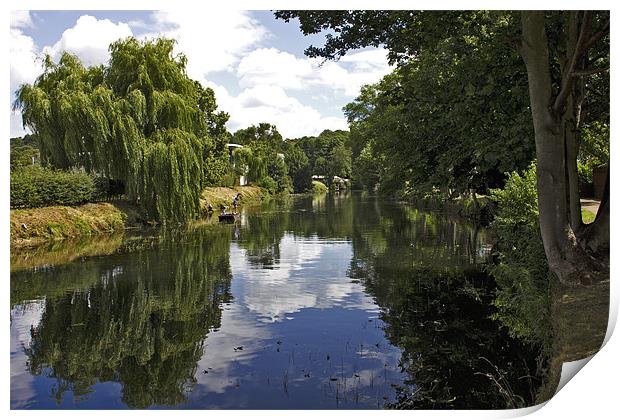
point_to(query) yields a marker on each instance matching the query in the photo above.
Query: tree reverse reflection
(337, 301)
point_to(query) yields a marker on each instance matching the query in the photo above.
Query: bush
(521, 270)
(24, 156)
(268, 183)
(278, 171)
(319, 187)
(35, 186)
(298, 169)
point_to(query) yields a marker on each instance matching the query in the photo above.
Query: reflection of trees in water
(63, 252)
(421, 269)
(261, 236)
(262, 232)
(139, 317)
(142, 322)
(417, 237)
(437, 307)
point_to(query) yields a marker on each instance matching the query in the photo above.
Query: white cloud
(355, 70)
(212, 41)
(274, 83)
(271, 66)
(269, 103)
(25, 65)
(89, 39)
(268, 74)
(21, 19)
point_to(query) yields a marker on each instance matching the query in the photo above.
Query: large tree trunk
(571, 124)
(565, 257)
(572, 175)
(571, 145)
(595, 236)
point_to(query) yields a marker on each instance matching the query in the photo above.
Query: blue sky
(254, 63)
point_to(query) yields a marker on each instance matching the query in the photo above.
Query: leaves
(139, 119)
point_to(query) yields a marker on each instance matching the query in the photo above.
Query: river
(335, 301)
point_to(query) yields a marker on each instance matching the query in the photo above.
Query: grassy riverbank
(223, 196)
(33, 226)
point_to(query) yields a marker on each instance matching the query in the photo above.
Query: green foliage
(250, 163)
(340, 162)
(107, 189)
(521, 271)
(366, 169)
(587, 216)
(264, 134)
(593, 150)
(517, 201)
(24, 151)
(268, 183)
(278, 171)
(35, 186)
(298, 168)
(139, 119)
(24, 156)
(262, 156)
(328, 153)
(319, 188)
(452, 116)
(441, 121)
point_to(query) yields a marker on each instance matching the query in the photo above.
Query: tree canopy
(263, 157)
(139, 119)
(461, 80)
(455, 118)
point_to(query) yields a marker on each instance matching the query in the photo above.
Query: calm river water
(338, 301)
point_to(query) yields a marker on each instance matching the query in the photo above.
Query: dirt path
(590, 204)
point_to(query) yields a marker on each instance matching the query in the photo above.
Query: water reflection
(139, 321)
(317, 302)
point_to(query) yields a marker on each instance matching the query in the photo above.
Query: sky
(253, 62)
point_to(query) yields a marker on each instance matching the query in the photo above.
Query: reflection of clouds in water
(23, 317)
(267, 295)
(285, 288)
(219, 354)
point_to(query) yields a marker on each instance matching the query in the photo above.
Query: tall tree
(556, 97)
(561, 51)
(139, 119)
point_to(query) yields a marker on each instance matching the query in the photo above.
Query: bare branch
(596, 37)
(567, 79)
(588, 72)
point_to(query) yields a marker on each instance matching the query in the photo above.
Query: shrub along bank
(36, 186)
(36, 225)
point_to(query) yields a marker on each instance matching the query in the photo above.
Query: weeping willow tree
(139, 119)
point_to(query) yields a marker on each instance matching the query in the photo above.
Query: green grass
(223, 196)
(30, 226)
(587, 216)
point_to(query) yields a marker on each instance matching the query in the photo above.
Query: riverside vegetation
(457, 127)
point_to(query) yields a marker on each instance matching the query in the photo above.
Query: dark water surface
(325, 302)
